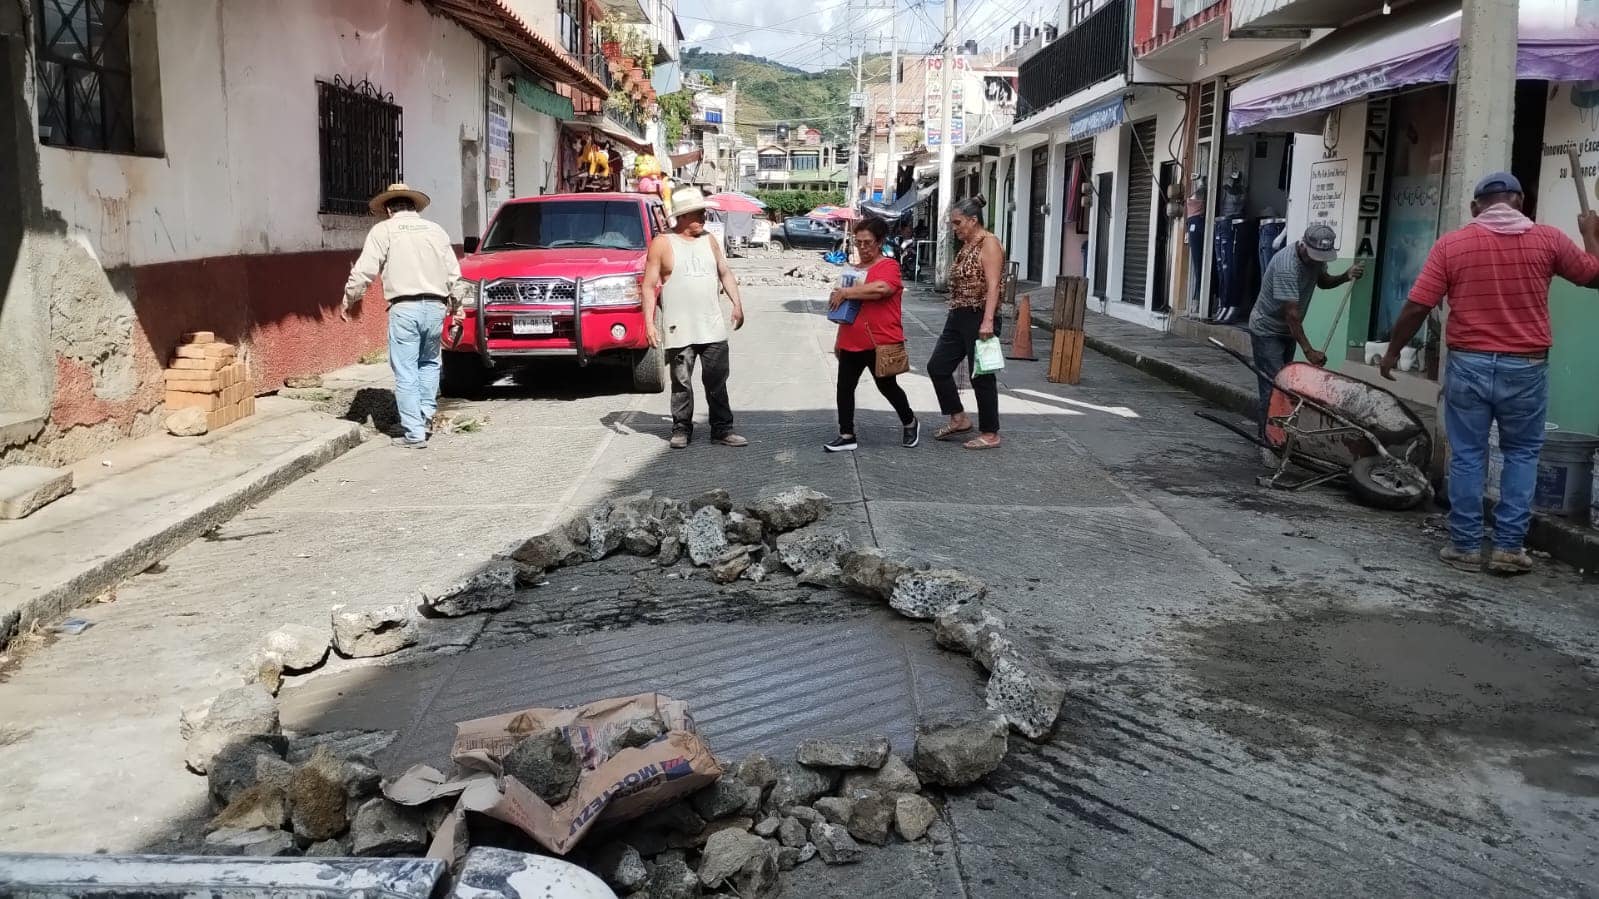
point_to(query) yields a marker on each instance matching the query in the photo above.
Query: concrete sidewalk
(1217, 377)
(145, 499)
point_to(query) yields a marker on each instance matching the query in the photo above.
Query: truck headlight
(614, 290)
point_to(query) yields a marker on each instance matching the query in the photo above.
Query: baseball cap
(1321, 243)
(1498, 183)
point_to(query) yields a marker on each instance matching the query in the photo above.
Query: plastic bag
(990, 355)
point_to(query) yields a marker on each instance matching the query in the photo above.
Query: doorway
(1140, 194)
(1163, 222)
(1074, 217)
(1104, 218)
(1037, 221)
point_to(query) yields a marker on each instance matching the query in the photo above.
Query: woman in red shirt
(878, 322)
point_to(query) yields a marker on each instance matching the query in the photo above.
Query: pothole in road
(1425, 673)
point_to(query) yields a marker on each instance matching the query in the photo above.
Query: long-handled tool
(1576, 179)
(1343, 304)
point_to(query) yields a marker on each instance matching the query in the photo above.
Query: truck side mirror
(469, 244)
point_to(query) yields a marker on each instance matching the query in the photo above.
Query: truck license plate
(532, 324)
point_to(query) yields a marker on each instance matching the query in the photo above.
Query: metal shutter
(1140, 196)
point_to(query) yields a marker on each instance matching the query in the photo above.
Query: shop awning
(681, 159)
(615, 132)
(495, 21)
(540, 99)
(1417, 44)
(1096, 119)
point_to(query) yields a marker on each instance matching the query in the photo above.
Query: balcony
(631, 121)
(1270, 18)
(1081, 58)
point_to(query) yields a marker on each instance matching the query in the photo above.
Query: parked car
(798, 231)
(557, 276)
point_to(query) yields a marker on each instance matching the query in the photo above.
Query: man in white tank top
(684, 275)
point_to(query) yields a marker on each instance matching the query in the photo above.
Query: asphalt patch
(1425, 673)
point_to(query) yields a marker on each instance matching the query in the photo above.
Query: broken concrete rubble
(489, 589)
(300, 646)
(791, 509)
(929, 594)
(804, 550)
(726, 796)
(548, 551)
(730, 565)
(371, 632)
(718, 498)
(245, 763)
(834, 809)
(264, 668)
(960, 628)
(706, 536)
(913, 815)
(544, 763)
(791, 833)
(238, 713)
(260, 806)
(955, 750)
(893, 777)
(620, 866)
(798, 785)
(1026, 693)
(672, 879)
(865, 751)
(742, 528)
(726, 853)
(872, 572)
(187, 423)
(382, 828)
(319, 798)
(834, 844)
(257, 842)
(871, 817)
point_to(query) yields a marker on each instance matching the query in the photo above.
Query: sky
(827, 32)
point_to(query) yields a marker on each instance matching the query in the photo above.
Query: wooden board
(1071, 302)
(1066, 357)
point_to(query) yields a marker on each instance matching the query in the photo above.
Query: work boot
(1464, 560)
(1506, 561)
(408, 443)
(731, 440)
(679, 440)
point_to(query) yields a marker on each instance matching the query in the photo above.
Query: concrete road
(1272, 694)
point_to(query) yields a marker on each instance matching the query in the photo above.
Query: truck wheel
(649, 371)
(780, 244)
(463, 375)
(1388, 483)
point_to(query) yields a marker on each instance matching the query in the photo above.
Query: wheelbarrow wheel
(1387, 483)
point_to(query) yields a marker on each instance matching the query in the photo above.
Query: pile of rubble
(807, 272)
(277, 796)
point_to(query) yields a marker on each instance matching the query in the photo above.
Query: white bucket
(1565, 474)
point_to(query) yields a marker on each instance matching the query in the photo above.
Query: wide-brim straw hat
(396, 190)
(688, 199)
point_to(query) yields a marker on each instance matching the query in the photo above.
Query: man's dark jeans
(713, 375)
(1272, 354)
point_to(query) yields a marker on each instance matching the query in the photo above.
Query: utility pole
(1485, 113)
(946, 151)
(892, 176)
(856, 116)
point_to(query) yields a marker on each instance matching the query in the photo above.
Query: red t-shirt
(882, 317)
(1498, 285)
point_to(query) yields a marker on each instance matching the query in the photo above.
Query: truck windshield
(610, 224)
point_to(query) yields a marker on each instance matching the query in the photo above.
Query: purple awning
(1416, 45)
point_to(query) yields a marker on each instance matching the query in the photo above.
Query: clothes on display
(1234, 195)
(1271, 229)
(1236, 251)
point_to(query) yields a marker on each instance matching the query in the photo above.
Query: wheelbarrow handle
(1248, 362)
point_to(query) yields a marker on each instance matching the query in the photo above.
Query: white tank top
(691, 304)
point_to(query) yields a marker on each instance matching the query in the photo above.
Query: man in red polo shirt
(1495, 273)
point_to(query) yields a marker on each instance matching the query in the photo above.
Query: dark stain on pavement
(1422, 672)
(1572, 773)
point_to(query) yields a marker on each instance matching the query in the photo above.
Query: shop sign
(1572, 123)
(1374, 158)
(1096, 119)
(499, 135)
(933, 101)
(1329, 185)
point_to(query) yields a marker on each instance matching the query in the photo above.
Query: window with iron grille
(84, 86)
(1077, 11)
(360, 133)
(571, 24)
(773, 162)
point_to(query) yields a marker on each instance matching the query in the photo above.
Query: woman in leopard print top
(974, 281)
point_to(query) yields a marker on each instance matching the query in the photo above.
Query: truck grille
(530, 292)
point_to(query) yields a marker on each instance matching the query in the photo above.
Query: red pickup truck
(557, 276)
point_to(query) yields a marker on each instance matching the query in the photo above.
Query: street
(1270, 693)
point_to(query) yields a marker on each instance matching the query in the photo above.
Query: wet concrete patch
(1426, 673)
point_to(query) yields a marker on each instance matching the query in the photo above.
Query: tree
(676, 111)
(798, 202)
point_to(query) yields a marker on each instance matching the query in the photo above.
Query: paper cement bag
(609, 788)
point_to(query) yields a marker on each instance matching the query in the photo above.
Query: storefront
(1373, 106)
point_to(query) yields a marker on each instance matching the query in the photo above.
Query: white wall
(1112, 153)
(239, 103)
(1311, 152)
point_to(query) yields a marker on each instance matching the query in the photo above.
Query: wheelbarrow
(1337, 427)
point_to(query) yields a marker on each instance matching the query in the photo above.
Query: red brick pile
(206, 374)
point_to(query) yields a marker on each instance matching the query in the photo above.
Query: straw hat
(688, 199)
(398, 189)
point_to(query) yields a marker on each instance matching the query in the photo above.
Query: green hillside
(770, 92)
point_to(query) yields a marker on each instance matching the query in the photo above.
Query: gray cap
(1321, 243)
(1497, 183)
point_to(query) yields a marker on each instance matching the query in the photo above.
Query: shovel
(1576, 179)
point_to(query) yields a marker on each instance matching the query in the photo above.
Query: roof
(497, 22)
(592, 195)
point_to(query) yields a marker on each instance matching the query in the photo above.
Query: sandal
(950, 432)
(983, 443)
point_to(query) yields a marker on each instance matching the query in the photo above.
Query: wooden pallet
(1066, 353)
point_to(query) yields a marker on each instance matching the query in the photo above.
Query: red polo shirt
(879, 320)
(1498, 285)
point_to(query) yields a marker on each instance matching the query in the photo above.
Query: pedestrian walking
(974, 281)
(421, 281)
(1277, 323)
(874, 341)
(1495, 274)
(684, 274)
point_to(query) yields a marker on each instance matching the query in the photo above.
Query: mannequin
(1194, 228)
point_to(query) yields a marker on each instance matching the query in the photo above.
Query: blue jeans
(416, 343)
(1272, 355)
(1480, 389)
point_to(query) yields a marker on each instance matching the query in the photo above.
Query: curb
(1566, 541)
(151, 544)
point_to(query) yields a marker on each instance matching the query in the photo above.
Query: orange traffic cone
(1021, 345)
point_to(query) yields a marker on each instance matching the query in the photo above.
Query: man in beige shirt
(421, 281)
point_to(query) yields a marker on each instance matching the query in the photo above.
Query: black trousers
(680, 362)
(957, 342)
(850, 365)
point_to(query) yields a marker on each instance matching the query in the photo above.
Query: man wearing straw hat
(688, 270)
(421, 281)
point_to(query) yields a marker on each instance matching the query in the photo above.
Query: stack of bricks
(207, 375)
